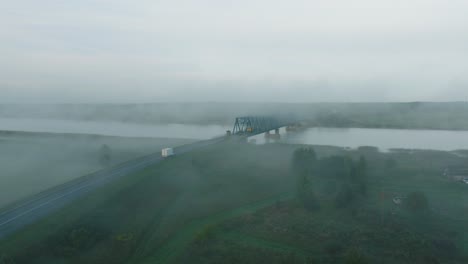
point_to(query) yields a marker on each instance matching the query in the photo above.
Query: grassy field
(130, 219)
(375, 231)
(32, 162)
(235, 203)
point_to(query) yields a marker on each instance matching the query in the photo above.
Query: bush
(75, 240)
(303, 160)
(355, 257)
(334, 249)
(205, 234)
(305, 194)
(416, 202)
(105, 155)
(390, 163)
(309, 201)
(345, 197)
(445, 247)
(4, 259)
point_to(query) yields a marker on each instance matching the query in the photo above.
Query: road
(38, 206)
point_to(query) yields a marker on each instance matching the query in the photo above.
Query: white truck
(167, 152)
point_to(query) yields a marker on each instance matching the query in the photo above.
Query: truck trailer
(167, 152)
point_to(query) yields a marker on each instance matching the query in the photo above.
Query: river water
(384, 139)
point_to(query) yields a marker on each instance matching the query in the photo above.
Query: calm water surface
(384, 139)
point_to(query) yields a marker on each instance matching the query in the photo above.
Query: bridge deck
(258, 124)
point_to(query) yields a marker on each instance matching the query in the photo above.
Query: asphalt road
(38, 206)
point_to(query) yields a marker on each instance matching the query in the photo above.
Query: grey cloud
(247, 50)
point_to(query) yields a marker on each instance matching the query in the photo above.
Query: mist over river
(113, 128)
(384, 139)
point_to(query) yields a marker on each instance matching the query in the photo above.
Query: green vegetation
(414, 115)
(312, 173)
(417, 202)
(105, 156)
(348, 223)
(129, 220)
(275, 203)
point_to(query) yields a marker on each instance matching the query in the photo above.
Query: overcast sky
(240, 50)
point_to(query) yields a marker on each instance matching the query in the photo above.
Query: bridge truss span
(257, 124)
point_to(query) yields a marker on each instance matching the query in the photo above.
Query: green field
(371, 230)
(33, 162)
(236, 203)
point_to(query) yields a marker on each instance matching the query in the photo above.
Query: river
(384, 139)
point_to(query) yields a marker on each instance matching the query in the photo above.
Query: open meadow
(243, 203)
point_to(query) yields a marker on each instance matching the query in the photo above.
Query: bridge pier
(275, 136)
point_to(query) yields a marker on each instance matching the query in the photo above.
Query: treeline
(348, 178)
(342, 180)
(413, 115)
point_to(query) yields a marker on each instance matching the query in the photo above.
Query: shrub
(355, 257)
(303, 160)
(334, 249)
(309, 201)
(4, 259)
(75, 240)
(416, 202)
(105, 155)
(205, 234)
(390, 163)
(445, 247)
(345, 197)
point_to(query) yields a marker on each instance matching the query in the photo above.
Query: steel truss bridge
(254, 125)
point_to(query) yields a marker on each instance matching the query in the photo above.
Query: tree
(303, 163)
(205, 234)
(361, 175)
(105, 155)
(303, 160)
(305, 193)
(6, 260)
(358, 176)
(417, 202)
(354, 256)
(80, 238)
(334, 248)
(344, 197)
(362, 164)
(390, 163)
(309, 200)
